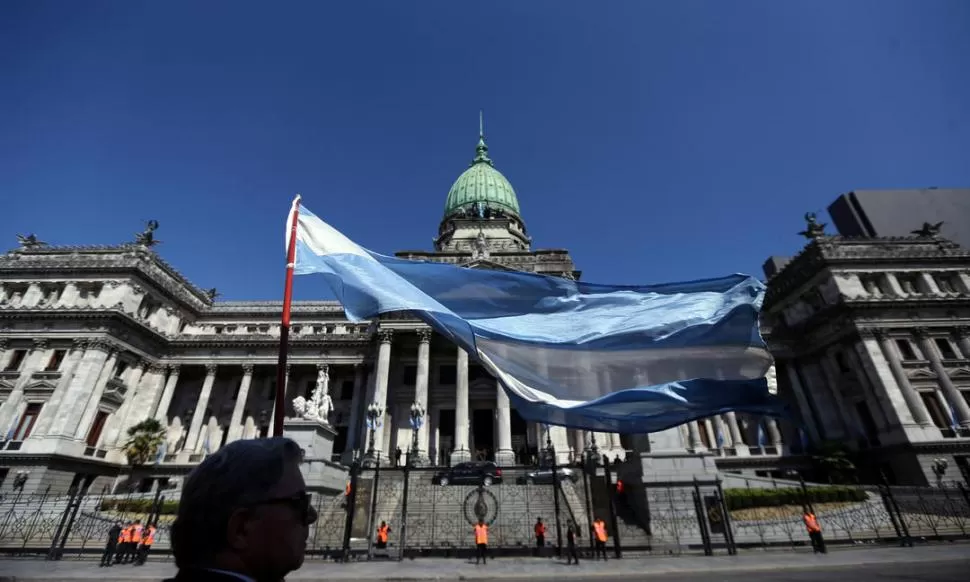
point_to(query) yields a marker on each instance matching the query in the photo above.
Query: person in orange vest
(481, 542)
(814, 532)
(382, 531)
(136, 534)
(124, 541)
(540, 529)
(600, 535)
(619, 486)
(146, 545)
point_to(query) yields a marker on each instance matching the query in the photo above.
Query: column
(734, 429)
(804, 407)
(116, 422)
(461, 452)
(193, 443)
(235, 423)
(52, 408)
(913, 402)
(694, 434)
(79, 389)
(963, 340)
(959, 406)
(161, 412)
(774, 435)
(380, 384)
(32, 362)
(504, 455)
(579, 444)
(831, 371)
(95, 399)
(147, 395)
(353, 424)
(421, 392)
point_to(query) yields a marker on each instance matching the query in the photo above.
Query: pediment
(39, 389)
(486, 265)
(921, 375)
(6, 387)
(960, 373)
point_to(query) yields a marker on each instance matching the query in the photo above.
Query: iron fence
(652, 518)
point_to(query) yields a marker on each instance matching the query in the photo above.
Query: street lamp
(939, 467)
(417, 420)
(375, 416)
(20, 480)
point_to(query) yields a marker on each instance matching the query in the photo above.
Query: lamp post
(20, 480)
(939, 467)
(416, 415)
(375, 415)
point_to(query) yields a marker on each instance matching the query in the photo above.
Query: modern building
(871, 337)
(894, 213)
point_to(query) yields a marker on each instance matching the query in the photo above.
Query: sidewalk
(511, 568)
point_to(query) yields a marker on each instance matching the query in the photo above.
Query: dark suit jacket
(200, 575)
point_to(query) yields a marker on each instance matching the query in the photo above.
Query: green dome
(482, 183)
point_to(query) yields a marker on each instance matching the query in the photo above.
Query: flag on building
(612, 358)
(762, 441)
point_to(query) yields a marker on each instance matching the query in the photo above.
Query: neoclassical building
(94, 340)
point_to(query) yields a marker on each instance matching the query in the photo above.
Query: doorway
(483, 434)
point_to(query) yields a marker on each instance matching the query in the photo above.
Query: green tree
(144, 439)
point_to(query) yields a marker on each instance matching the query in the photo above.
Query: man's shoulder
(202, 575)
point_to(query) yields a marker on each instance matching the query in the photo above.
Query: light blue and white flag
(762, 441)
(630, 359)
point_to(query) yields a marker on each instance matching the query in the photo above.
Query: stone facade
(871, 341)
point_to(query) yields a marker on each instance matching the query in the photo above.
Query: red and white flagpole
(280, 405)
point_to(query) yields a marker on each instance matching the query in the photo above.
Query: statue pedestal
(316, 440)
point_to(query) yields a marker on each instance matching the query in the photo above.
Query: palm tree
(144, 440)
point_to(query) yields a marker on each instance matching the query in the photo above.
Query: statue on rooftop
(928, 230)
(30, 241)
(813, 230)
(212, 293)
(147, 236)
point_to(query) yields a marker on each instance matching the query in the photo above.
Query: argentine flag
(610, 358)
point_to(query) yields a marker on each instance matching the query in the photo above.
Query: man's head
(538, 520)
(245, 509)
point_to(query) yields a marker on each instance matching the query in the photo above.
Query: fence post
(964, 492)
(52, 553)
(701, 513)
(404, 507)
(588, 466)
(351, 506)
(555, 498)
(611, 497)
(57, 547)
(373, 506)
(728, 529)
(905, 540)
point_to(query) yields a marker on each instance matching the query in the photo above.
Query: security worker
(382, 531)
(814, 532)
(124, 541)
(146, 544)
(619, 486)
(572, 532)
(540, 529)
(111, 546)
(599, 531)
(481, 542)
(136, 534)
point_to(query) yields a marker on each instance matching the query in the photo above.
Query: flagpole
(285, 324)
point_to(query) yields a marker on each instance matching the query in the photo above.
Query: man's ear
(237, 529)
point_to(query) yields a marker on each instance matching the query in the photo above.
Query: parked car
(472, 473)
(544, 475)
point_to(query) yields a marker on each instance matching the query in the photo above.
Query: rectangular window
(94, 434)
(940, 417)
(16, 360)
(946, 349)
(410, 375)
(906, 350)
(54, 364)
(447, 375)
(27, 420)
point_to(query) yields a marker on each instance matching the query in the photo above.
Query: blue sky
(658, 141)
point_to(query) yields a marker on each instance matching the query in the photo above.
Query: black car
(543, 475)
(472, 473)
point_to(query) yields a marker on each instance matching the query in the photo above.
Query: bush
(138, 506)
(748, 498)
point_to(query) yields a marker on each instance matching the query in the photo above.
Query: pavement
(937, 563)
